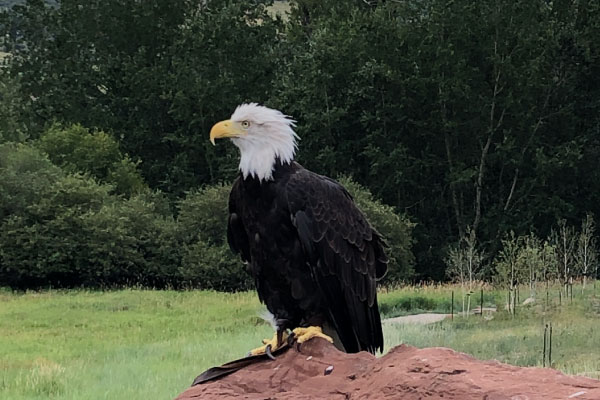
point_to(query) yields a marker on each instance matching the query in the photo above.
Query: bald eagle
(313, 255)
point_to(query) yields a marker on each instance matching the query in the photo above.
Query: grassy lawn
(130, 344)
(142, 344)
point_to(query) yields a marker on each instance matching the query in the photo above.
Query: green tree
(586, 252)
(508, 271)
(155, 74)
(11, 125)
(464, 261)
(563, 240)
(531, 261)
(457, 111)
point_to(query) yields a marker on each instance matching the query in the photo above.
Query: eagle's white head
(262, 134)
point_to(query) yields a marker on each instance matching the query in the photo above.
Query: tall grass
(432, 298)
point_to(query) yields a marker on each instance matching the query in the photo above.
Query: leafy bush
(25, 173)
(213, 267)
(76, 149)
(203, 215)
(79, 234)
(128, 242)
(66, 229)
(207, 261)
(47, 244)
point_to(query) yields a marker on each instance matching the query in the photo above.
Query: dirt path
(428, 318)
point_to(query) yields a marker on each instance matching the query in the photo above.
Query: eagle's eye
(245, 124)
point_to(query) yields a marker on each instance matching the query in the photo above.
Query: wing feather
(236, 234)
(346, 255)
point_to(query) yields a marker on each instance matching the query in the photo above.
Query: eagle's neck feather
(258, 158)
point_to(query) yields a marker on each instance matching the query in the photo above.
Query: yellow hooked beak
(226, 129)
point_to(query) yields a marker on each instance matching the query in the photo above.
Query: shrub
(213, 267)
(81, 235)
(64, 229)
(203, 215)
(47, 243)
(207, 261)
(403, 305)
(25, 174)
(128, 242)
(77, 150)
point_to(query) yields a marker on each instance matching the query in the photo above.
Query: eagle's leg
(301, 335)
(269, 345)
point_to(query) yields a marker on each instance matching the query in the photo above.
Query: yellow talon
(303, 334)
(269, 342)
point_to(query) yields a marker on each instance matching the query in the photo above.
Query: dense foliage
(65, 223)
(77, 150)
(62, 229)
(474, 119)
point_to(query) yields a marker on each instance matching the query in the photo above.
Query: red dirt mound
(404, 373)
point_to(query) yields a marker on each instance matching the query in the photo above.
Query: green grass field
(130, 344)
(518, 339)
(142, 344)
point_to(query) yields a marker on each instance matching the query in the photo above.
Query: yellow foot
(270, 345)
(301, 335)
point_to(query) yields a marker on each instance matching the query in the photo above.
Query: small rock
(329, 370)
(308, 358)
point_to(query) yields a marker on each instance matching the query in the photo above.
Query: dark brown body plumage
(314, 256)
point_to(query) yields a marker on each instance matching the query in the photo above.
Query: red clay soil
(404, 373)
